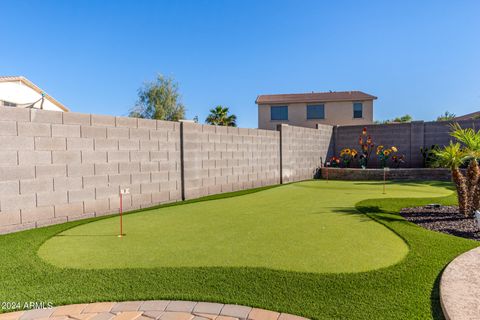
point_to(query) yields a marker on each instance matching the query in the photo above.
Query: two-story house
(308, 109)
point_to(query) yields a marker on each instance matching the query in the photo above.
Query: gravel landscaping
(444, 219)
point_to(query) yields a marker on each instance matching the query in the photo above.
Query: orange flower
(364, 132)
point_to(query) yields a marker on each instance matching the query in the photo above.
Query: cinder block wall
(223, 159)
(398, 135)
(407, 137)
(56, 167)
(438, 132)
(303, 151)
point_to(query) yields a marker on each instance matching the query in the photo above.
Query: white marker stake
(122, 192)
(385, 178)
(327, 164)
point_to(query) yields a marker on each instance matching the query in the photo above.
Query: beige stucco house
(309, 109)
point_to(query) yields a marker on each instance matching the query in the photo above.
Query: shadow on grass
(380, 214)
(351, 212)
(436, 307)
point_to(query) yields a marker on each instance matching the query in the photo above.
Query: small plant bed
(446, 219)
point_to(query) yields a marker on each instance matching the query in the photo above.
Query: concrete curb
(460, 287)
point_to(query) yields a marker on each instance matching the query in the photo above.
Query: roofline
(467, 116)
(34, 87)
(312, 100)
(315, 101)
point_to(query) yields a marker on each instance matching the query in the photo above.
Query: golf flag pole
(122, 192)
(327, 164)
(385, 179)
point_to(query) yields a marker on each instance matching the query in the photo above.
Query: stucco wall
(336, 113)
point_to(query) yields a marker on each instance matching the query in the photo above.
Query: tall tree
(446, 116)
(219, 116)
(159, 100)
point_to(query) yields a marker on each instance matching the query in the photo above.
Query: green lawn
(297, 248)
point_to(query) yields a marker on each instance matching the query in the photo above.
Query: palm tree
(219, 117)
(470, 139)
(452, 156)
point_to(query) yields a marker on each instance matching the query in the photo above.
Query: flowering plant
(366, 147)
(397, 160)
(347, 155)
(384, 154)
(334, 162)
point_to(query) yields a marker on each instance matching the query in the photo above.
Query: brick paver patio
(150, 310)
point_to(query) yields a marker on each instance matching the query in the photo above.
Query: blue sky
(418, 57)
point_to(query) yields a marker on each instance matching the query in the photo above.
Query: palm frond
(451, 156)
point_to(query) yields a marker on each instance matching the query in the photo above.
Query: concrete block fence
(304, 150)
(407, 137)
(57, 167)
(224, 159)
(411, 174)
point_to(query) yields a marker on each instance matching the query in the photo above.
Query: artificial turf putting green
(405, 290)
(306, 227)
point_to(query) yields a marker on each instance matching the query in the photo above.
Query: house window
(357, 110)
(279, 113)
(9, 104)
(316, 111)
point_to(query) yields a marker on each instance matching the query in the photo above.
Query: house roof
(314, 97)
(468, 116)
(31, 85)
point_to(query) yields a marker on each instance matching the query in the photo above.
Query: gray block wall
(57, 167)
(224, 159)
(303, 151)
(407, 137)
(411, 174)
(438, 132)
